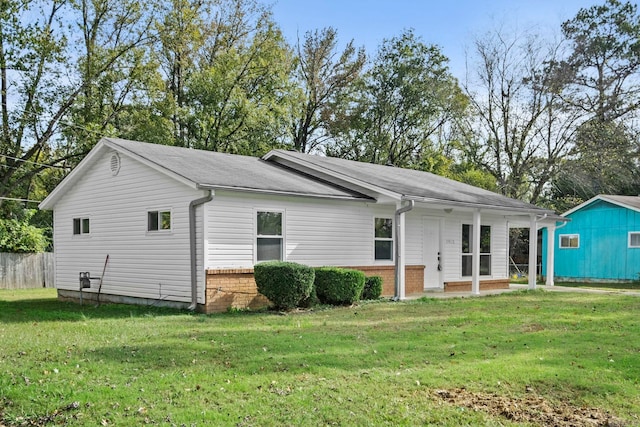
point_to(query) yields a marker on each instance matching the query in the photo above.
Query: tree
(55, 83)
(403, 105)
(323, 79)
(228, 71)
(521, 131)
(600, 79)
(17, 235)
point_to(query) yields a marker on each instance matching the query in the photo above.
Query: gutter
(193, 247)
(398, 256)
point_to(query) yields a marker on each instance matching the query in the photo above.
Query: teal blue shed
(601, 242)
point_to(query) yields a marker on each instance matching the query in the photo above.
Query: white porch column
(551, 245)
(400, 253)
(533, 248)
(475, 258)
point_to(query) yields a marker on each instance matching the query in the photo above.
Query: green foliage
(19, 236)
(372, 288)
(324, 76)
(338, 286)
(402, 106)
(286, 284)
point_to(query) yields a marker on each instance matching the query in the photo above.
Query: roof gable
(207, 170)
(628, 202)
(400, 183)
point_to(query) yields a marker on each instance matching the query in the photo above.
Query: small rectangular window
(569, 241)
(383, 240)
(634, 239)
(80, 226)
(269, 239)
(158, 220)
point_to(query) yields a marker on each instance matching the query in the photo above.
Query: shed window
(383, 240)
(634, 239)
(80, 226)
(269, 238)
(569, 241)
(158, 220)
(467, 250)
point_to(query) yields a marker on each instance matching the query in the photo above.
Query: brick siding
(485, 285)
(236, 288)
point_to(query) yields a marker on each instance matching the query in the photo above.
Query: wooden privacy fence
(21, 271)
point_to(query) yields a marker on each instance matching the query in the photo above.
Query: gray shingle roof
(410, 183)
(218, 170)
(630, 201)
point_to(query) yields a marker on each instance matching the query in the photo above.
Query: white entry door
(432, 253)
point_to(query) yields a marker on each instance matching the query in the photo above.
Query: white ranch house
(155, 224)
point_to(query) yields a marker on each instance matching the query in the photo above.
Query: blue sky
(451, 24)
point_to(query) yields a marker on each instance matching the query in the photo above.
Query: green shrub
(372, 287)
(284, 283)
(338, 285)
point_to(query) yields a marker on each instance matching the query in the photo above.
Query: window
(467, 250)
(80, 226)
(571, 241)
(158, 220)
(383, 240)
(634, 239)
(269, 239)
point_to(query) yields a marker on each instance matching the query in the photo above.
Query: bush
(284, 283)
(338, 285)
(19, 236)
(372, 287)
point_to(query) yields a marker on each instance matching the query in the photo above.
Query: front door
(432, 253)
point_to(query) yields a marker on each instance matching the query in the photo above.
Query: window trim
(81, 221)
(470, 254)
(629, 245)
(569, 235)
(159, 224)
(391, 239)
(282, 236)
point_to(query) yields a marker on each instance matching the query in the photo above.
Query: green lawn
(501, 360)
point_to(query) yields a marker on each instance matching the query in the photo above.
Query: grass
(374, 364)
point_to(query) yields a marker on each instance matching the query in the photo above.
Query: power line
(34, 163)
(20, 200)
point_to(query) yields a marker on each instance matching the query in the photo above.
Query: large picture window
(81, 226)
(467, 250)
(269, 239)
(569, 241)
(634, 239)
(383, 240)
(158, 220)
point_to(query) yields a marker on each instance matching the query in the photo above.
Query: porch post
(475, 258)
(400, 259)
(551, 244)
(533, 247)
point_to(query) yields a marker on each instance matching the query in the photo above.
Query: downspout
(398, 214)
(193, 247)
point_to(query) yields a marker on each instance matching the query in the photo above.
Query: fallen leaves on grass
(531, 409)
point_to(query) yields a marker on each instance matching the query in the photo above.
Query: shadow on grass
(50, 309)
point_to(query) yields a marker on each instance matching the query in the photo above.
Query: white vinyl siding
(141, 263)
(317, 231)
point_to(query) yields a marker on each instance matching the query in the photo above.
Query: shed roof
(629, 202)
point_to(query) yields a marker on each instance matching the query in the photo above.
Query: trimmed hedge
(286, 284)
(338, 286)
(372, 287)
